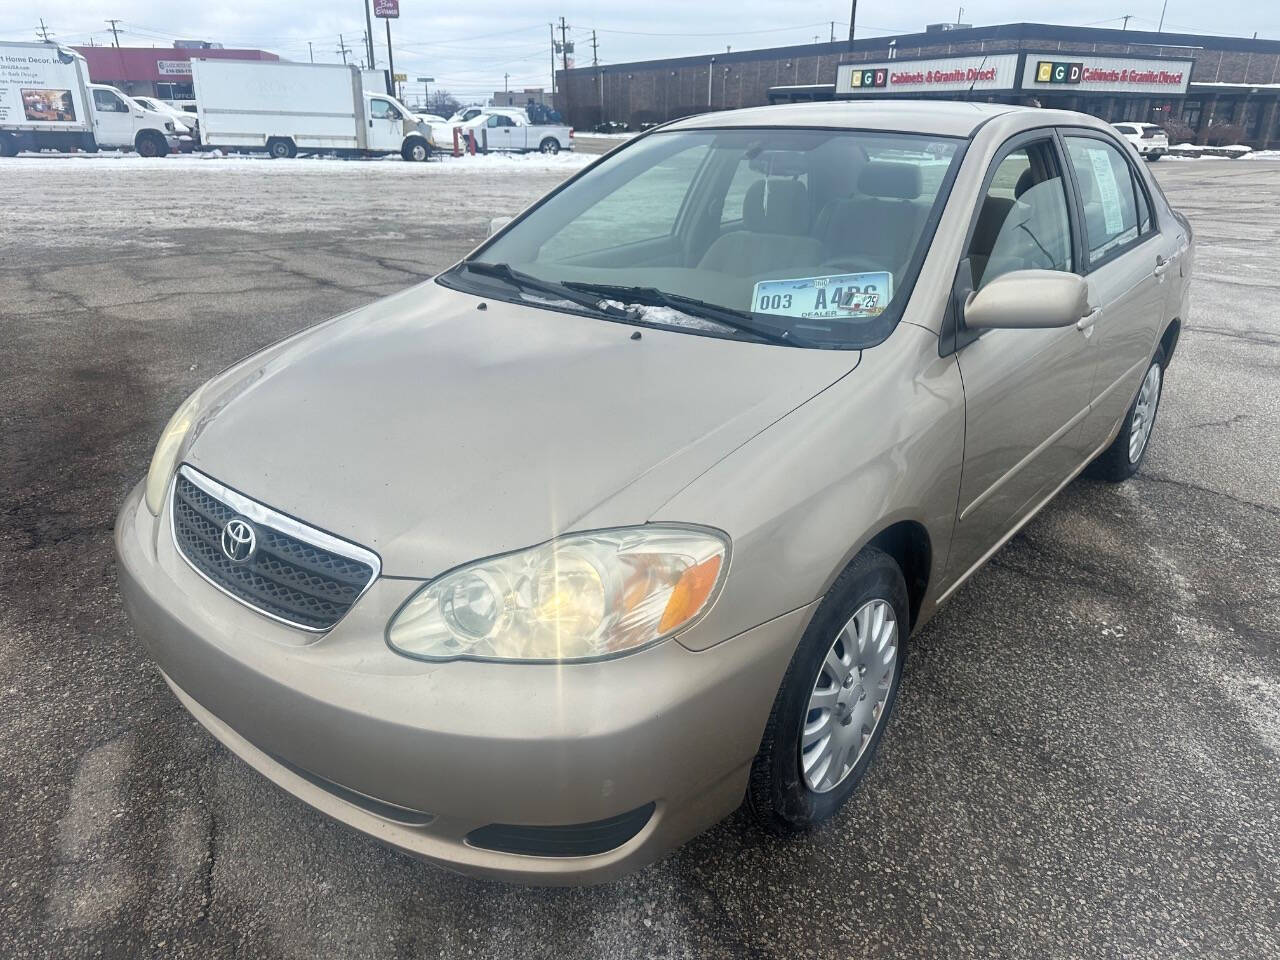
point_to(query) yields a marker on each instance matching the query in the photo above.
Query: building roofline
(999, 31)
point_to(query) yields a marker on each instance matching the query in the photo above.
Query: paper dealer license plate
(841, 296)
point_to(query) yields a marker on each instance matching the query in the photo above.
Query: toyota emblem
(239, 540)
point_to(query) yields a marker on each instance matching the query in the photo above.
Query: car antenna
(985, 54)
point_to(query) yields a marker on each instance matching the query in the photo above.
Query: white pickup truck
(506, 132)
(48, 103)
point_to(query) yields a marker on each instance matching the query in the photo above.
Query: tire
(1153, 157)
(281, 149)
(781, 793)
(416, 150)
(8, 146)
(550, 145)
(1121, 460)
(151, 145)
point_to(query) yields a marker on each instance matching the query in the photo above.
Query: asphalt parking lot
(1084, 763)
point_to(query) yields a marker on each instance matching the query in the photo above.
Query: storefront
(1116, 88)
(155, 71)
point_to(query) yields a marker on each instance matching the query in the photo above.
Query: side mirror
(1028, 299)
(497, 223)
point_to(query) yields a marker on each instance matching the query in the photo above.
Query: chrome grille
(297, 574)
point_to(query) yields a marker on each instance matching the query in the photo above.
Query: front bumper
(463, 745)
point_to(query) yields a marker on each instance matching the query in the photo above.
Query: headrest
(1025, 182)
(776, 205)
(884, 179)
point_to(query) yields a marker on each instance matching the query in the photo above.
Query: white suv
(1149, 140)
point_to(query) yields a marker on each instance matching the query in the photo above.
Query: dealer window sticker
(1108, 189)
(840, 296)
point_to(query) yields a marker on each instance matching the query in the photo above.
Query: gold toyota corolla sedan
(541, 567)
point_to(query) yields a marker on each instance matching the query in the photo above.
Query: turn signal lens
(581, 597)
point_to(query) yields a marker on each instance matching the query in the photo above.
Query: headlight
(165, 460)
(580, 597)
(168, 125)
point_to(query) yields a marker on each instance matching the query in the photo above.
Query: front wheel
(1121, 460)
(550, 145)
(151, 145)
(415, 150)
(835, 699)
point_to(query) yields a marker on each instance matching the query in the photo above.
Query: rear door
(1126, 262)
(1026, 391)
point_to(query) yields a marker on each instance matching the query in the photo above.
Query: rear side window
(1111, 218)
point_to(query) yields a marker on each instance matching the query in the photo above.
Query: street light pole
(853, 16)
(368, 34)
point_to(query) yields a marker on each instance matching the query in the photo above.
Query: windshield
(815, 235)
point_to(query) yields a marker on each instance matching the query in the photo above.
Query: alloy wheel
(1144, 413)
(850, 695)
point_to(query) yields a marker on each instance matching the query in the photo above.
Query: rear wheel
(835, 699)
(1121, 460)
(151, 145)
(550, 145)
(281, 148)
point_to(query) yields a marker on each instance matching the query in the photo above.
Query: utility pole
(43, 31)
(564, 43)
(552, 26)
(368, 35)
(1160, 29)
(833, 31)
(342, 48)
(311, 53)
(1126, 18)
(114, 32)
(595, 59)
(391, 63)
(853, 15)
(505, 78)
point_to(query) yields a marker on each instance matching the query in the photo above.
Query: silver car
(539, 568)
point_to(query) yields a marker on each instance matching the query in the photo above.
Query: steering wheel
(854, 264)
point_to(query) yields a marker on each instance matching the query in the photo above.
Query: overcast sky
(467, 45)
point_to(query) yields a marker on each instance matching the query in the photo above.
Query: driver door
(386, 128)
(112, 121)
(1026, 391)
(498, 132)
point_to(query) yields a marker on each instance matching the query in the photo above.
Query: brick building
(1170, 78)
(163, 72)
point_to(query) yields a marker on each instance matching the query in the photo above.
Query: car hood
(436, 432)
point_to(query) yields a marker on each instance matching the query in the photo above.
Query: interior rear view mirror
(1028, 299)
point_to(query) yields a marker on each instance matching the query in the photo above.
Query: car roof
(944, 118)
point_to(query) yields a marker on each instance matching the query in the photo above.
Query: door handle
(1162, 264)
(1086, 322)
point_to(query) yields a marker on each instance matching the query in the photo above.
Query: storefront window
(1252, 119)
(1191, 114)
(175, 91)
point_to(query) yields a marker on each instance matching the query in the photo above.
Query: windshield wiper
(739, 320)
(531, 284)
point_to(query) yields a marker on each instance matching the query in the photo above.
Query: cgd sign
(1109, 75)
(941, 75)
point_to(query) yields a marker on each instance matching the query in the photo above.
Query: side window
(107, 102)
(1144, 206)
(1023, 223)
(643, 208)
(1107, 194)
(381, 110)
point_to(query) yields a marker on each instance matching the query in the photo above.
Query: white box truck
(48, 103)
(283, 107)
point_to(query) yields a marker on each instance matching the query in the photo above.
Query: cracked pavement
(1086, 753)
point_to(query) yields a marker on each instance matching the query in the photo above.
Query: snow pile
(216, 160)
